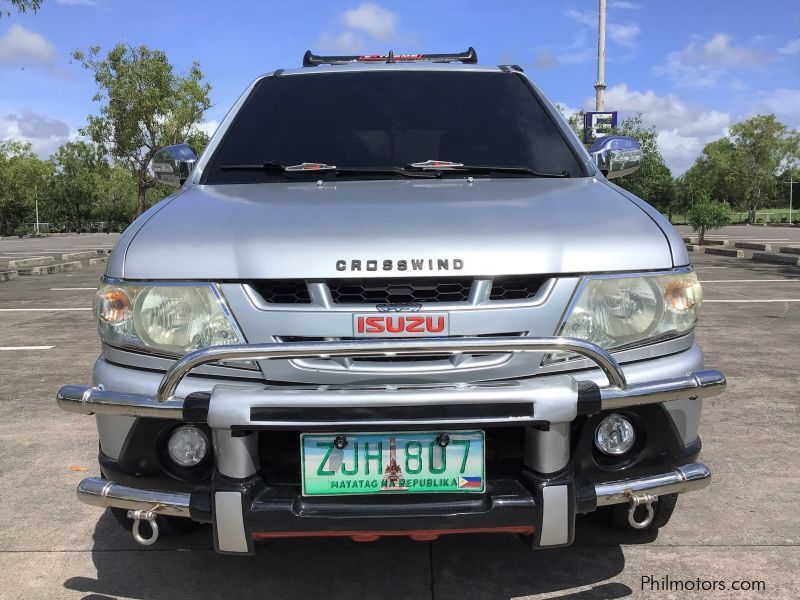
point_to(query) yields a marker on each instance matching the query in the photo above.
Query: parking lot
(744, 527)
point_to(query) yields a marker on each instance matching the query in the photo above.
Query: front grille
(282, 291)
(515, 287)
(397, 290)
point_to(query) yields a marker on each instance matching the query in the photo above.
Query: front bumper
(275, 512)
(543, 502)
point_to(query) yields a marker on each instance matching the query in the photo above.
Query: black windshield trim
(547, 108)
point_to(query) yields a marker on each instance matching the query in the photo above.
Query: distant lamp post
(791, 188)
(36, 208)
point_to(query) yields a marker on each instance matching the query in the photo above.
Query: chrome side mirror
(617, 155)
(172, 165)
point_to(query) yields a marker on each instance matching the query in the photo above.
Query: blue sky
(693, 68)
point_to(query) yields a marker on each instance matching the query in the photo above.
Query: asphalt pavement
(744, 527)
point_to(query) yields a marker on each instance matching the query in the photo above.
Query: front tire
(616, 516)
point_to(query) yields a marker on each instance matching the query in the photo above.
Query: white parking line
(40, 309)
(12, 348)
(751, 281)
(69, 289)
(758, 301)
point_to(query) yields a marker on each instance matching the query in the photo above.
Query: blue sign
(598, 124)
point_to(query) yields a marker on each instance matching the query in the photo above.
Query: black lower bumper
(280, 512)
(507, 506)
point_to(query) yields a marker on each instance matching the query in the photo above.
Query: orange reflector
(114, 306)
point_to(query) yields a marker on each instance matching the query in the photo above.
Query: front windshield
(390, 119)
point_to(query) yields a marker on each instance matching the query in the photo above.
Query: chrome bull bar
(617, 394)
(103, 493)
(173, 377)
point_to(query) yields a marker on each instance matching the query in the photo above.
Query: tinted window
(385, 118)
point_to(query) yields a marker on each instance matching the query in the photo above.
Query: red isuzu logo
(400, 325)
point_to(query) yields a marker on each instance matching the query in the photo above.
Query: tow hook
(637, 500)
(144, 515)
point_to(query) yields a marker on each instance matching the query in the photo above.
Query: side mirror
(172, 165)
(617, 155)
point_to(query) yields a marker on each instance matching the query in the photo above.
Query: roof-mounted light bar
(313, 60)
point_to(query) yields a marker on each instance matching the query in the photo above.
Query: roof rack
(313, 60)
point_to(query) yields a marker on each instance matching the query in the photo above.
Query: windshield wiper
(382, 171)
(446, 165)
(272, 165)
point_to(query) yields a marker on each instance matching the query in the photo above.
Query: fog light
(187, 445)
(615, 435)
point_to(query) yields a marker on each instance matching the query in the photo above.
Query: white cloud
(345, 42)
(366, 23)
(377, 22)
(683, 128)
(785, 103)
(703, 64)
(584, 17)
(623, 5)
(22, 48)
(209, 127)
(579, 51)
(792, 47)
(624, 35)
(45, 133)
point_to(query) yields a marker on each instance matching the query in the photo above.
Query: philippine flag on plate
(469, 482)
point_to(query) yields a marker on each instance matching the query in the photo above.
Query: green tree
(116, 194)
(23, 182)
(709, 177)
(144, 105)
(653, 181)
(706, 214)
(760, 146)
(20, 5)
(575, 120)
(80, 169)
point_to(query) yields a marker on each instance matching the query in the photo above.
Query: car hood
(304, 230)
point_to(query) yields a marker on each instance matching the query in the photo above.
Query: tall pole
(36, 200)
(600, 86)
(791, 189)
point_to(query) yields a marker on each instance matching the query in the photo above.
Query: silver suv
(396, 296)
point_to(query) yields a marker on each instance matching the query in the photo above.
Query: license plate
(392, 463)
(401, 325)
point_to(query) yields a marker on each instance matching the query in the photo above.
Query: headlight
(617, 312)
(173, 319)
